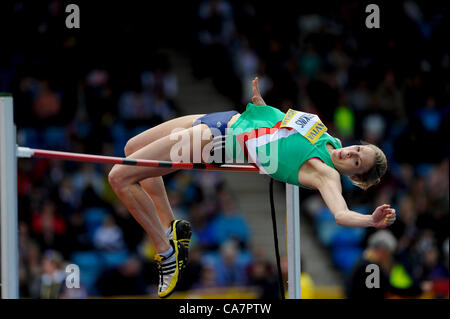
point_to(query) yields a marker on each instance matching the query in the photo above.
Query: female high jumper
(293, 147)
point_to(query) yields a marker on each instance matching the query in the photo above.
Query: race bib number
(307, 124)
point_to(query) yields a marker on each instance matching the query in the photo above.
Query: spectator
(360, 96)
(390, 98)
(49, 227)
(53, 277)
(433, 267)
(135, 105)
(229, 223)
(161, 81)
(70, 199)
(201, 227)
(77, 234)
(133, 233)
(109, 236)
(197, 274)
(162, 110)
(99, 96)
(208, 278)
(405, 228)
(88, 179)
(124, 280)
(441, 283)
(230, 269)
(47, 104)
(261, 275)
(381, 247)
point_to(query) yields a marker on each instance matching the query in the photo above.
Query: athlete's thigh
(164, 129)
(164, 149)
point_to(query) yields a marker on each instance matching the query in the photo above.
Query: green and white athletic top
(278, 143)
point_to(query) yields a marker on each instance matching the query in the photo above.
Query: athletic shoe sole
(182, 231)
(181, 260)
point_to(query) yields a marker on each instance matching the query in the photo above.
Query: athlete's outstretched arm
(330, 188)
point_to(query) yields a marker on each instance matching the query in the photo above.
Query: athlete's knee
(116, 178)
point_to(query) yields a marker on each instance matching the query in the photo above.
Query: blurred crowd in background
(90, 90)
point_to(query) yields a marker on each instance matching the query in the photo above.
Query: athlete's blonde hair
(374, 174)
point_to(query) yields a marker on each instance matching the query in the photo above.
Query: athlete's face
(353, 160)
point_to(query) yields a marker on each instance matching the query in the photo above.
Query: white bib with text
(307, 124)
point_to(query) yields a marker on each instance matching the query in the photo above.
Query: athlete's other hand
(383, 216)
(256, 99)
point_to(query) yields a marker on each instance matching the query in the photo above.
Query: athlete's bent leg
(125, 182)
(172, 255)
(154, 186)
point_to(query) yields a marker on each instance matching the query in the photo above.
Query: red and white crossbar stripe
(25, 152)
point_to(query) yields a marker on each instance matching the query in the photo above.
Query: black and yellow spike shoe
(181, 231)
(171, 269)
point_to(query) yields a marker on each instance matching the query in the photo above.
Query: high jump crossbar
(25, 152)
(10, 152)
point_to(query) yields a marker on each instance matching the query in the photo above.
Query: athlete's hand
(256, 99)
(383, 216)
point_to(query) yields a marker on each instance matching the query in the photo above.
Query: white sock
(168, 231)
(167, 253)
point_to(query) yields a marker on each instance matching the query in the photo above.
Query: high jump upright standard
(8, 201)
